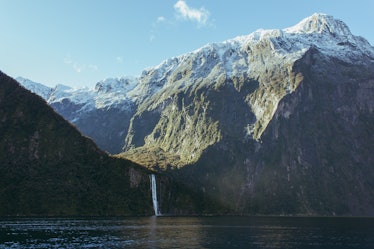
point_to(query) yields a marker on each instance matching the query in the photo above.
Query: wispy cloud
(161, 19)
(68, 60)
(93, 67)
(152, 37)
(78, 67)
(119, 59)
(185, 12)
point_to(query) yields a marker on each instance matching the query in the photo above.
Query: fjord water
(188, 232)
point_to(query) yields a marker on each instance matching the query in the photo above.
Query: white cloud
(187, 13)
(182, 12)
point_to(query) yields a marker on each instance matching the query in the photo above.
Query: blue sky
(80, 42)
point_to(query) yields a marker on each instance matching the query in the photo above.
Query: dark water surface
(188, 232)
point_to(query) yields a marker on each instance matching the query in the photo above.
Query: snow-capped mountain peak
(234, 56)
(319, 30)
(330, 35)
(320, 23)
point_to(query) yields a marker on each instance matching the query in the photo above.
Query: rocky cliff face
(314, 156)
(319, 139)
(275, 122)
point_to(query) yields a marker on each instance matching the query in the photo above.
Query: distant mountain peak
(124, 84)
(35, 87)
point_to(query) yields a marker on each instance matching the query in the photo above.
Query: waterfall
(154, 195)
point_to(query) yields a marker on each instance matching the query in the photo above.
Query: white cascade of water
(154, 195)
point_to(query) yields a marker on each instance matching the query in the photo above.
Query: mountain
(37, 88)
(102, 113)
(48, 168)
(275, 122)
